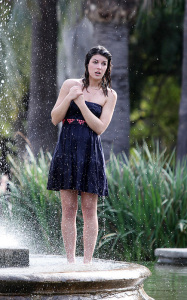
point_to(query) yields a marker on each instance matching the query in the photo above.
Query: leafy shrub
(146, 207)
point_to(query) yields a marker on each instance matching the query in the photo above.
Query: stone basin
(176, 256)
(50, 277)
(14, 257)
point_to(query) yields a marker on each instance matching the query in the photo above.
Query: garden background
(45, 42)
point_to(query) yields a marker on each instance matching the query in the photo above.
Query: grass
(146, 207)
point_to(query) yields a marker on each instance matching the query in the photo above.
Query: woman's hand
(70, 90)
(75, 92)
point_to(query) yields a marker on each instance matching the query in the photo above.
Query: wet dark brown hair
(106, 80)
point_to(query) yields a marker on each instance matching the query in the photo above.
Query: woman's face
(97, 66)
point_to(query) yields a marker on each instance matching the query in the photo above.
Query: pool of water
(167, 282)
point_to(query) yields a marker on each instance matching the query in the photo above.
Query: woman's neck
(95, 84)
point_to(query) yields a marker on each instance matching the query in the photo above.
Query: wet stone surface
(176, 256)
(14, 257)
(49, 277)
(133, 295)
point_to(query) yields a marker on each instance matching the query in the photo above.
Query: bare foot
(86, 262)
(71, 261)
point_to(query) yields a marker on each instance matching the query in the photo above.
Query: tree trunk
(110, 20)
(41, 132)
(182, 131)
(115, 39)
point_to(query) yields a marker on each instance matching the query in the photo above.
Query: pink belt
(74, 121)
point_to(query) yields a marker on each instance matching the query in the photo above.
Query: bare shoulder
(112, 94)
(112, 97)
(69, 83)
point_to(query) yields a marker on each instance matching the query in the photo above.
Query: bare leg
(90, 232)
(69, 201)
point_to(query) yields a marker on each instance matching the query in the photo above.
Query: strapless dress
(78, 161)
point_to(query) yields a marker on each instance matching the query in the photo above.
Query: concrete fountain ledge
(176, 256)
(50, 277)
(14, 257)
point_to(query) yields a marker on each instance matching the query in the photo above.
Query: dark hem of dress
(79, 191)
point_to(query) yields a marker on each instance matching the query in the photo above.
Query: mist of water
(7, 240)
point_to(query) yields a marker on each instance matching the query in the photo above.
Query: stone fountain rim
(79, 276)
(171, 252)
(55, 282)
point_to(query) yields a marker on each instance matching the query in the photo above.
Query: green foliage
(156, 117)
(146, 207)
(15, 41)
(15, 58)
(35, 211)
(155, 61)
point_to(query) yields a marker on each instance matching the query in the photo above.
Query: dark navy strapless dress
(78, 161)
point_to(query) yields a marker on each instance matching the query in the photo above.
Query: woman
(86, 107)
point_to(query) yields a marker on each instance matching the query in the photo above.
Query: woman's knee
(89, 206)
(69, 211)
(69, 203)
(89, 213)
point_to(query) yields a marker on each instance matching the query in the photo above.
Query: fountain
(175, 256)
(50, 277)
(11, 254)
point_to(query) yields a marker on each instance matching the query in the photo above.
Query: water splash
(7, 240)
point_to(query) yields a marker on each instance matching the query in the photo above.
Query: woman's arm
(70, 90)
(99, 125)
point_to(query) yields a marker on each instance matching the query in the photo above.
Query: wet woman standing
(85, 106)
